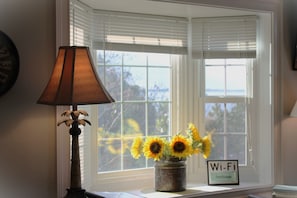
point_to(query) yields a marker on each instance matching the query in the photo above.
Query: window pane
(236, 81)
(225, 77)
(134, 118)
(226, 121)
(214, 81)
(236, 117)
(109, 155)
(232, 146)
(158, 84)
(129, 161)
(111, 77)
(217, 152)
(134, 83)
(109, 120)
(214, 117)
(237, 148)
(158, 119)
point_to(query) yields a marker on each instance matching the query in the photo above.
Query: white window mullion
(146, 105)
(122, 102)
(225, 133)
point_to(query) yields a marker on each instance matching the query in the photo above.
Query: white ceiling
(162, 8)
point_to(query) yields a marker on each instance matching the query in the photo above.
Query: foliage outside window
(140, 84)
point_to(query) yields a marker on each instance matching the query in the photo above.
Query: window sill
(195, 191)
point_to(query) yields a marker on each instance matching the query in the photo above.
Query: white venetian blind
(139, 32)
(80, 18)
(229, 37)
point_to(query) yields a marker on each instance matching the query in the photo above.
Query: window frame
(63, 142)
(140, 178)
(146, 101)
(225, 99)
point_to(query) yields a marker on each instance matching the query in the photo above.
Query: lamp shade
(74, 80)
(294, 111)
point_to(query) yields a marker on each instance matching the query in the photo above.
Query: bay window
(165, 72)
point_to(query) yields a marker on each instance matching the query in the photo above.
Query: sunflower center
(155, 147)
(179, 147)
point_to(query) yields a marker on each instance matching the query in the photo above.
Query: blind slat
(224, 37)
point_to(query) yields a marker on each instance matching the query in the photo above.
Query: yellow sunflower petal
(206, 149)
(195, 132)
(136, 148)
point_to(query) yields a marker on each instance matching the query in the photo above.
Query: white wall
(27, 135)
(289, 93)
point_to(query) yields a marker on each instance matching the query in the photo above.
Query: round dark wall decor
(9, 63)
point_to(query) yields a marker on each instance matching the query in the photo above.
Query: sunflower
(136, 148)
(206, 146)
(153, 148)
(180, 147)
(194, 132)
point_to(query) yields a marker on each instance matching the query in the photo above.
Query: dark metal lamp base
(76, 193)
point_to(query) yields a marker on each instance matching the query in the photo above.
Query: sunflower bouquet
(181, 145)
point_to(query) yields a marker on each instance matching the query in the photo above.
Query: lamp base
(76, 193)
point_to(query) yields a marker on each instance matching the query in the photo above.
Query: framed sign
(222, 172)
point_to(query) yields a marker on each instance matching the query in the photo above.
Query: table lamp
(73, 82)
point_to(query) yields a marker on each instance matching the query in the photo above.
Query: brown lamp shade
(74, 80)
(294, 110)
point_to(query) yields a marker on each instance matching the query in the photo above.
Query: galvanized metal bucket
(170, 175)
